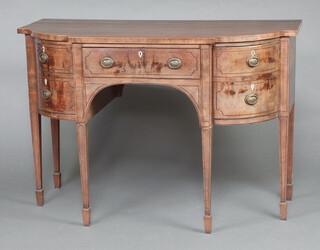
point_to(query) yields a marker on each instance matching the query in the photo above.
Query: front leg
(82, 134)
(290, 156)
(35, 119)
(283, 150)
(55, 133)
(206, 135)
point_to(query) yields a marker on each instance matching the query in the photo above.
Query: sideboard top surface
(135, 31)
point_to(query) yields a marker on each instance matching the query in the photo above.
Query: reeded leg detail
(290, 155)
(206, 134)
(82, 134)
(55, 133)
(37, 154)
(283, 150)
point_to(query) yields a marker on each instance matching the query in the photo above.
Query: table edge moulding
(233, 72)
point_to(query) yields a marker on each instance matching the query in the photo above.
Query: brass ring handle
(253, 61)
(46, 94)
(43, 58)
(174, 63)
(106, 62)
(251, 99)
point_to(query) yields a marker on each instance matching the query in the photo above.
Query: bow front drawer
(233, 61)
(56, 95)
(54, 58)
(246, 97)
(141, 62)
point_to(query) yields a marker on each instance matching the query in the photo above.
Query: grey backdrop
(146, 183)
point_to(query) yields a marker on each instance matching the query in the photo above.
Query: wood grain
(102, 98)
(166, 32)
(206, 135)
(82, 134)
(153, 62)
(292, 71)
(191, 88)
(230, 94)
(79, 83)
(234, 79)
(55, 134)
(285, 117)
(285, 76)
(214, 76)
(283, 156)
(256, 119)
(62, 99)
(231, 61)
(35, 118)
(290, 155)
(60, 58)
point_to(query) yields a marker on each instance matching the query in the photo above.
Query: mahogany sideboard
(233, 72)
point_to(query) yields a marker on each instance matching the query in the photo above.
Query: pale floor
(146, 186)
(158, 205)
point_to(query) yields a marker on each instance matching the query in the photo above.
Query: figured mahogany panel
(62, 99)
(142, 62)
(230, 94)
(59, 58)
(233, 61)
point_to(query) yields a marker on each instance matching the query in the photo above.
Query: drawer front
(141, 62)
(246, 97)
(246, 60)
(56, 95)
(54, 58)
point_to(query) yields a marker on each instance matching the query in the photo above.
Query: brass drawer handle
(46, 94)
(43, 58)
(174, 63)
(107, 62)
(253, 61)
(251, 99)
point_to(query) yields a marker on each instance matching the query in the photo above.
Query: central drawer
(142, 62)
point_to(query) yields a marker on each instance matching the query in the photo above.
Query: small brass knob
(251, 99)
(174, 63)
(107, 62)
(43, 58)
(46, 94)
(253, 61)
